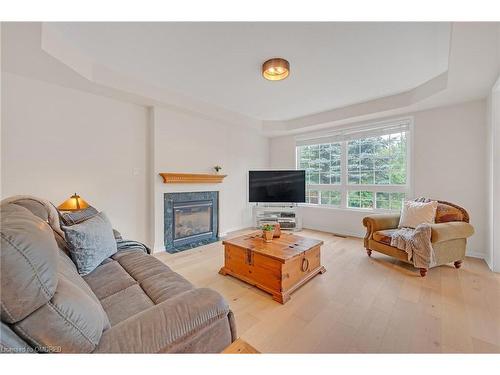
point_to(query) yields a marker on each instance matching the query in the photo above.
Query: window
(312, 196)
(325, 197)
(363, 168)
(389, 201)
(360, 199)
(331, 197)
(322, 163)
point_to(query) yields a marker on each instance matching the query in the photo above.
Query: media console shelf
(287, 216)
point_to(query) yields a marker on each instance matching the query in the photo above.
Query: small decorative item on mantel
(217, 169)
(267, 232)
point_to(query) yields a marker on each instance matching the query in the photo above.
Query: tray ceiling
(332, 64)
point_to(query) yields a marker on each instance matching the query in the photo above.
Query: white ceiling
(332, 64)
(48, 53)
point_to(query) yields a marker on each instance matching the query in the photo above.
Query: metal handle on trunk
(305, 265)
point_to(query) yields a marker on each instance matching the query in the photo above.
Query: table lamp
(73, 203)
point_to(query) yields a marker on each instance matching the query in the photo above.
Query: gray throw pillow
(90, 242)
(77, 217)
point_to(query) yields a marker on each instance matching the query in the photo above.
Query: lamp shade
(73, 203)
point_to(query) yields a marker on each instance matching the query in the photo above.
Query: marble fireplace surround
(171, 199)
(229, 192)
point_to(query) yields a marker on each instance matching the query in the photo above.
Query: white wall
(449, 149)
(449, 146)
(184, 142)
(1, 102)
(57, 141)
(493, 184)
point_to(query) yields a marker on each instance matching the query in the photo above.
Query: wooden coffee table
(240, 346)
(278, 267)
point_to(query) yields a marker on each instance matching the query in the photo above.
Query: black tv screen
(277, 186)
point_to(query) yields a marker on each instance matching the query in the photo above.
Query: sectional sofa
(131, 303)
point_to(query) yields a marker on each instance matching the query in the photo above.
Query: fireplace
(191, 219)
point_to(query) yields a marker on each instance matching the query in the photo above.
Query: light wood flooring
(361, 304)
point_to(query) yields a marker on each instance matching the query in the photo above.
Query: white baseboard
(475, 254)
(341, 233)
(222, 235)
(232, 230)
(489, 263)
(158, 249)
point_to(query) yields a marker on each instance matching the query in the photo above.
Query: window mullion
(343, 173)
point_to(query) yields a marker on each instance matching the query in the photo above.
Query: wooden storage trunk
(278, 267)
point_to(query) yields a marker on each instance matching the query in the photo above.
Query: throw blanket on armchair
(417, 244)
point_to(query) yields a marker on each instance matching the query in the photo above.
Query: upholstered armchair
(448, 235)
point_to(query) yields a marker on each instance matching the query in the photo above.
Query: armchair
(448, 235)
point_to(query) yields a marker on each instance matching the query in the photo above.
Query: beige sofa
(448, 235)
(132, 302)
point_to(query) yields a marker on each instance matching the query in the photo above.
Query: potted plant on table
(267, 232)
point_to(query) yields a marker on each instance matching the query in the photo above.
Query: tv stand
(286, 215)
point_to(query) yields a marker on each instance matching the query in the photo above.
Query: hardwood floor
(361, 304)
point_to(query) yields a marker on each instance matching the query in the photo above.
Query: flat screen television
(277, 186)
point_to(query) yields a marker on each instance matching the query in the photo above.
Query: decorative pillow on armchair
(90, 242)
(415, 213)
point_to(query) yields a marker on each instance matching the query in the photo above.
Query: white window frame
(344, 187)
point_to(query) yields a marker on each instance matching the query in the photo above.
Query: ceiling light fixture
(275, 69)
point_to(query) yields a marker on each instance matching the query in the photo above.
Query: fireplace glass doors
(192, 219)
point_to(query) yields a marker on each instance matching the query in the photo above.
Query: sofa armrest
(168, 324)
(117, 234)
(377, 222)
(450, 231)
